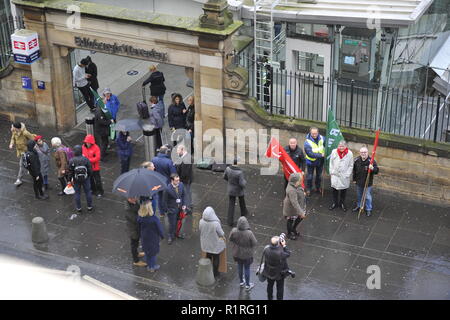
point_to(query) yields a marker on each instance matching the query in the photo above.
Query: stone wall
(413, 169)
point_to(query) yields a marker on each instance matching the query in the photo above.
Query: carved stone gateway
(216, 15)
(235, 79)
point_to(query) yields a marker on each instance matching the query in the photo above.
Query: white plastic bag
(69, 189)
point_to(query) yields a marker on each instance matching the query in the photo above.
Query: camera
(282, 237)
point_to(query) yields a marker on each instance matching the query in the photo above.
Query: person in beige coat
(19, 138)
(341, 170)
(294, 204)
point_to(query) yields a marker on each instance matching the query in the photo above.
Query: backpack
(80, 173)
(68, 152)
(26, 160)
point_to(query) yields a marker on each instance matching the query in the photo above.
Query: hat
(106, 90)
(17, 125)
(84, 62)
(37, 138)
(56, 142)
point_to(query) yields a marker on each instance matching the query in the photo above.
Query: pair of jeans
(37, 185)
(231, 204)
(87, 190)
(96, 183)
(151, 260)
(280, 288)
(125, 165)
(161, 98)
(173, 218)
(215, 259)
(368, 204)
(310, 176)
(134, 249)
(87, 95)
(244, 271)
(336, 194)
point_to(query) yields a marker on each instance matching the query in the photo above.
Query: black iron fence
(8, 24)
(356, 105)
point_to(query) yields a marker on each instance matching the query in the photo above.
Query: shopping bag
(69, 189)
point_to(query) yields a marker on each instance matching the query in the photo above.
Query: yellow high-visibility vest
(316, 148)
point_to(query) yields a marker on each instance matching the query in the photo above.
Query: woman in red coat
(92, 152)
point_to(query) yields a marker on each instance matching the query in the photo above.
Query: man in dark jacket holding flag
(315, 154)
(296, 154)
(360, 170)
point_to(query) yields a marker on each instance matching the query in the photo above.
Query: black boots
(334, 205)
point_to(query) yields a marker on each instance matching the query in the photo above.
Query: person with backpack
(157, 119)
(62, 156)
(157, 87)
(124, 150)
(80, 172)
(31, 163)
(44, 158)
(19, 138)
(92, 152)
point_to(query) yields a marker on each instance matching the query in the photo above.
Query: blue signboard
(26, 83)
(41, 84)
(24, 59)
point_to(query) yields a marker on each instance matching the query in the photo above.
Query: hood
(163, 155)
(30, 145)
(294, 178)
(77, 151)
(22, 128)
(89, 139)
(209, 214)
(242, 224)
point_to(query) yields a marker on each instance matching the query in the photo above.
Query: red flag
(375, 145)
(274, 150)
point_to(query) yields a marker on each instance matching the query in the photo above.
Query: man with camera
(275, 265)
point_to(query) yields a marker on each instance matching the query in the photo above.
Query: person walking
(131, 217)
(80, 173)
(157, 86)
(315, 153)
(212, 238)
(177, 114)
(124, 150)
(184, 170)
(190, 120)
(360, 171)
(156, 119)
(102, 130)
(173, 201)
(151, 233)
(111, 102)
(341, 170)
(19, 138)
(92, 152)
(296, 154)
(91, 73)
(80, 81)
(44, 158)
(236, 186)
(163, 165)
(275, 266)
(243, 243)
(31, 162)
(62, 163)
(294, 204)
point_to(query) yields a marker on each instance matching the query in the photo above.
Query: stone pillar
(216, 15)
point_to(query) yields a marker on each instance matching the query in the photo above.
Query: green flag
(334, 136)
(99, 102)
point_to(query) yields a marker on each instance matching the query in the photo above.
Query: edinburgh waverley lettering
(124, 49)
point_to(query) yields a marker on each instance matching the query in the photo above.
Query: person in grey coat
(243, 243)
(236, 185)
(44, 158)
(212, 237)
(294, 204)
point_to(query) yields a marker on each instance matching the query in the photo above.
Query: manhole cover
(132, 72)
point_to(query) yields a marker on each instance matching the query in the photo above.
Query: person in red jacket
(92, 152)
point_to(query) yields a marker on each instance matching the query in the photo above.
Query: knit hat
(37, 138)
(106, 90)
(17, 125)
(56, 142)
(294, 177)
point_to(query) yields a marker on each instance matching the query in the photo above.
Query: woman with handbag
(243, 243)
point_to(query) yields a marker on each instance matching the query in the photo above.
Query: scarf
(343, 153)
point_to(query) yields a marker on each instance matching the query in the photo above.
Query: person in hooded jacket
(91, 73)
(236, 185)
(78, 166)
(124, 150)
(294, 204)
(212, 237)
(19, 138)
(92, 152)
(44, 158)
(34, 168)
(157, 86)
(243, 243)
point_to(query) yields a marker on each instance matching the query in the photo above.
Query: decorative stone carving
(235, 79)
(216, 15)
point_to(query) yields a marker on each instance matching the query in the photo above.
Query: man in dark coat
(184, 170)
(101, 128)
(131, 216)
(80, 171)
(157, 87)
(164, 165)
(236, 185)
(34, 168)
(275, 266)
(360, 170)
(173, 202)
(296, 154)
(91, 72)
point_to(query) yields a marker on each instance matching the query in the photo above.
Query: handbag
(69, 189)
(260, 270)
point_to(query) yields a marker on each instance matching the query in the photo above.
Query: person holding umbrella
(172, 203)
(151, 233)
(124, 150)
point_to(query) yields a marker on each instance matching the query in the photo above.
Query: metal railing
(307, 96)
(8, 24)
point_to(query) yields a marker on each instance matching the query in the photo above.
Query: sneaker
(139, 264)
(99, 195)
(249, 287)
(141, 254)
(181, 236)
(18, 182)
(154, 269)
(78, 210)
(368, 213)
(334, 205)
(169, 241)
(242, 284)
(343, 207)
(90, 209)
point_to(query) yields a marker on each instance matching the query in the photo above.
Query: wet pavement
(408, 240)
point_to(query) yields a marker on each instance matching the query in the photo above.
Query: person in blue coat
(173, 201)
(315, 155)
(111, 102)
(164, 165)
(124, 150)
(151, 232)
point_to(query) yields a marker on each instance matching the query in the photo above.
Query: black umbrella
(139, 183)
(128, 125)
